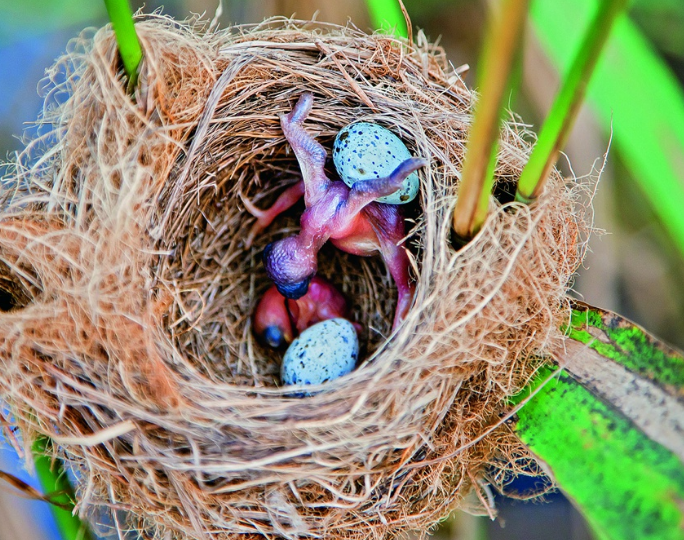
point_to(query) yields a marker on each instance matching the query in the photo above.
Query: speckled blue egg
(323, 352)
(363, 151)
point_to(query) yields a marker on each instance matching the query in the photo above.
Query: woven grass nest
(127, 290)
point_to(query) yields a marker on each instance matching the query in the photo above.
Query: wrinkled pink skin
(277, 320)
(348, 217)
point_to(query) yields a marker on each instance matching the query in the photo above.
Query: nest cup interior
(127, 238)
(253, 159)
(242, 152)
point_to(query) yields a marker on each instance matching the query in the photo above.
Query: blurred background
(636, 269)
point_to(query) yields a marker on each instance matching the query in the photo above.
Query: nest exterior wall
(123, 247)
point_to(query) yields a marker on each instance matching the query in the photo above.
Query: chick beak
(274, 337)
(272, 324)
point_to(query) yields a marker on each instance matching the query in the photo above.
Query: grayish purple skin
(349, 217)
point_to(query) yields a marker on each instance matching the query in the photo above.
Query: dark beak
(295, 290)
(274, 337)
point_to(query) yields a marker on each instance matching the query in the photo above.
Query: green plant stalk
(502, 42)
(121, 16)
(636, 97)
(561, 118)
(387, 15)
(53, 479)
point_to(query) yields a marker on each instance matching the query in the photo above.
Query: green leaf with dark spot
(624, 342)
(628, 486)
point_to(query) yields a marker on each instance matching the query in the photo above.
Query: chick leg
(310, 154)
(364, 192)
(397, 262)
(285, 201)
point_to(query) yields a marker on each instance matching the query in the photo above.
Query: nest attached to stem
(127, 289)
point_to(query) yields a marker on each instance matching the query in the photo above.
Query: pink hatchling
(350, 218)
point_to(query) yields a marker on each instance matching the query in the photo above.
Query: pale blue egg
(363, 151)
(323, 352)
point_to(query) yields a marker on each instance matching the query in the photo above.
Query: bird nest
(128, 289)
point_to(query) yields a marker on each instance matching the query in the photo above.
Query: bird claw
(261, 220)
(250, 207)
(256, 229)
(265, 217)
(301, 109)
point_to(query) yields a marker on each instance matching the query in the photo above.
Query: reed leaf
(610, 426)
(53, 480)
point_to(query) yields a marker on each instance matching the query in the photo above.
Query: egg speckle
(323, 352)
(363, 151)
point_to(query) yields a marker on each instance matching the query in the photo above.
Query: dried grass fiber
(127, 290)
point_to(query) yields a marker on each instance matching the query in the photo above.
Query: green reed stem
(387, 14)
(53, 479)
(121, 16)
(558, 124)
(502, 41)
